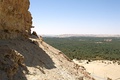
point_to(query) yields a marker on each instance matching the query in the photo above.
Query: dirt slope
(41, 62)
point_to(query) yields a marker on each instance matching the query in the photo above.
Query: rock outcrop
(30, 58)
(10, 62)
(15, 19)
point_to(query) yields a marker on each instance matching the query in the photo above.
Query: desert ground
(101, 69)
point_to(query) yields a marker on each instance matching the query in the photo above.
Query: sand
(101, 69)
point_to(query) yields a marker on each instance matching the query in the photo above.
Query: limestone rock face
(15, 19)
(10, 61)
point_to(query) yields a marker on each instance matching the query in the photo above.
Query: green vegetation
(94, 48)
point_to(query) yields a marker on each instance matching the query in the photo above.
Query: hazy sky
(76, 16)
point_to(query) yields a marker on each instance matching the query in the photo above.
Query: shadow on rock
(29, 54)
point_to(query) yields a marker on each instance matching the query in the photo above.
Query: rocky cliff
(30, 58)
(15, 19)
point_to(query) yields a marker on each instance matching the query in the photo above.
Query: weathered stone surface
(15, 19)
(10, 61)
(42, 61)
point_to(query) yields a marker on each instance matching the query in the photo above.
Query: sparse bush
(118, 62)
(109, 78)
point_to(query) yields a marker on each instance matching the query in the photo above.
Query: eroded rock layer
(10, 62)
(15, 19)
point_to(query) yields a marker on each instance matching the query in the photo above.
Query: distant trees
(87, 47)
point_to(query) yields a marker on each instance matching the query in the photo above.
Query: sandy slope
(64, 69)
(44, 62)
(102, 69)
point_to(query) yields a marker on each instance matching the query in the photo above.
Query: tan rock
(15, 19)
(10, 60)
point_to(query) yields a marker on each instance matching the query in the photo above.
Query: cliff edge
(25, 56)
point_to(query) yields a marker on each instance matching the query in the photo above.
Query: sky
(55, 17)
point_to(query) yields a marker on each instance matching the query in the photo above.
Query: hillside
(39, 61)
(25, 56)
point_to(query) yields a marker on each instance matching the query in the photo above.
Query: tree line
(95, 48)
